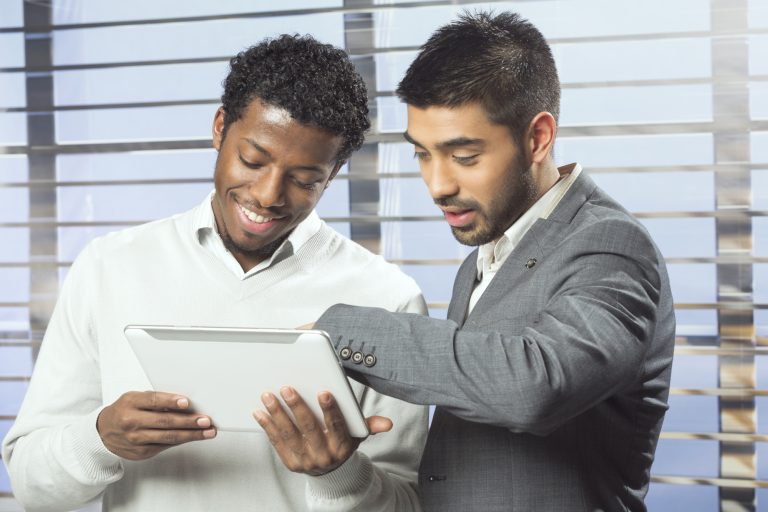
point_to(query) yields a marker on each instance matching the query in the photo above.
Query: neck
(545, 176)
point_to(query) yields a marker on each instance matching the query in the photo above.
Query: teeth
(255, 217)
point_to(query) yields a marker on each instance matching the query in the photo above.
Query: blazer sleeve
(587, 342)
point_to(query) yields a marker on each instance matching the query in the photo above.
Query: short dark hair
(501, 61)
(315, 82)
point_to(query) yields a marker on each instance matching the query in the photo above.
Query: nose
(439, 179)
(269, 189)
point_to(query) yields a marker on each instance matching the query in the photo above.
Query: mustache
(464, 204)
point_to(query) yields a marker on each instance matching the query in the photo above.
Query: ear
(334, 172)
(218, 128)
(541, 136)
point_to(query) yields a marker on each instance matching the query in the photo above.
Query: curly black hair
(315, 82)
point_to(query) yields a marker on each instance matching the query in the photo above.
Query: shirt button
(530, 263)
(357, 357)
(345, 353)
(369, 360)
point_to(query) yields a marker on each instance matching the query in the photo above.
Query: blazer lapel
(524, 260)
(462, 289)
(532, 250)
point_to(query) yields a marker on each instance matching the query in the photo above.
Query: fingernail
(287, 393)
(204, 422)
(325, 398)
(268, 399)
(210, 433)
(259, 416)
(182, 403)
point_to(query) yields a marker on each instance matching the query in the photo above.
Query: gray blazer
(551, 394)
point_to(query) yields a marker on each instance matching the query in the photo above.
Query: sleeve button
(357, 357)
(369, 360)
(345, 353)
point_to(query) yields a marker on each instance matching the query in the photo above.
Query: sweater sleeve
(54, 455)
(382, 475)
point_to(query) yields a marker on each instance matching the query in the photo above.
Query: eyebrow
(258, 146)
(456, 142)
(410, 139)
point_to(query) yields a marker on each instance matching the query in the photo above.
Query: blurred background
(105, 118)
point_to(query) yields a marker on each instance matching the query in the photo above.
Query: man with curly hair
(252, 254)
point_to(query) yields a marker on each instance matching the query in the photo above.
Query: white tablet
(224, 371)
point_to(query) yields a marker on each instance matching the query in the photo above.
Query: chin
(472, 237)
(464, 237)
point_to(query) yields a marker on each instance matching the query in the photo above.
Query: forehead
(434, 125)
(273, 127)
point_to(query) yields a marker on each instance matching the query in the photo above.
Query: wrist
(88, 448)
(352, 477)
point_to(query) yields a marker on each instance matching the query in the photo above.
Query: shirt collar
(496, 252)
(204, 226)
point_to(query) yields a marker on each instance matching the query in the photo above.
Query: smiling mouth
(255, 217)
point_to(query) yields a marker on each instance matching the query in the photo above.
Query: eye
(466, 160)
(250, 165)
(420, 155)
(307, 185)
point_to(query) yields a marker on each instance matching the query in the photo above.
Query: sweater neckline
(312, 253)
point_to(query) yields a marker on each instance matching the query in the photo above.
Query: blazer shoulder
(604, 225)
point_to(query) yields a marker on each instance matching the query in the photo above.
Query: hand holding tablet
(139, 425)
(305, 444)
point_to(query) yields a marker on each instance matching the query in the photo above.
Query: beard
(516, 195)
(261, 253)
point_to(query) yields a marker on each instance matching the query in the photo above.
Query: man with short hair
(253, 254)
(551, 373)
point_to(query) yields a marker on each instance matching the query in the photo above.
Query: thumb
(378, 424)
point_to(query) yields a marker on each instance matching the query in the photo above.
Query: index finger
(161, 401)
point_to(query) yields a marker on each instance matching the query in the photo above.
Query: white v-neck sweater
(159, 273)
